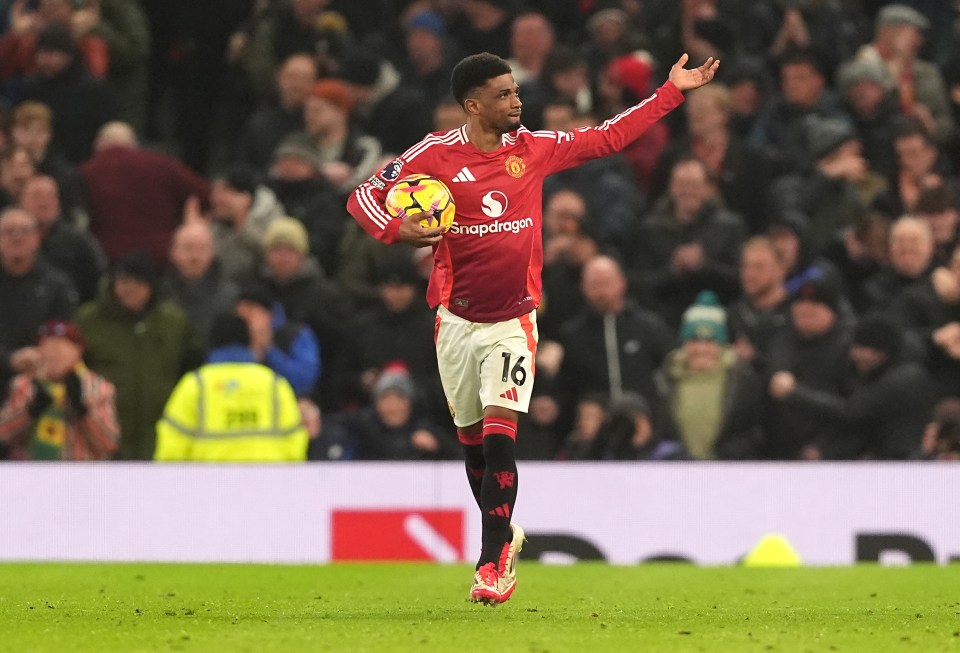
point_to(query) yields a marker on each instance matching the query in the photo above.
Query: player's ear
(471, 106)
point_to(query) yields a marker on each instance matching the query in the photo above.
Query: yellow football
(422, 193)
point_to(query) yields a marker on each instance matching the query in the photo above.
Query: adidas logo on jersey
(464, 175)
(510, 394)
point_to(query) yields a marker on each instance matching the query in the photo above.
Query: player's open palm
(686, 80)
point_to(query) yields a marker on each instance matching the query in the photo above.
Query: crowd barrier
(622, 513)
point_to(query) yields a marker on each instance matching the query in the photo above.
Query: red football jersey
(487, 268)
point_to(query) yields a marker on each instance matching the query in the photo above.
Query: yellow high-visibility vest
(232, 412)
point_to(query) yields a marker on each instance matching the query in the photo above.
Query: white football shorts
(485, 364)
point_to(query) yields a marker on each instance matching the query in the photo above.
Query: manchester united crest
(515, 166)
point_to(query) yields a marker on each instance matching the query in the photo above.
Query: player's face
(498, 103)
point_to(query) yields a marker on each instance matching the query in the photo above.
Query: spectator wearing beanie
(884, 414)
(812, 350)
(712, 398)
(140, 343)
(65, 413)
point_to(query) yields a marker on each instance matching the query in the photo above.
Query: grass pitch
(398, 608)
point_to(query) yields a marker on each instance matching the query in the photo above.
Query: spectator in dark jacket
(765, 304)
(884, 413)
(31, 292)
(812, 350)
(67, 247)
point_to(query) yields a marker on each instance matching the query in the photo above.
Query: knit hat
(820, 289)
(826, 135)
(334, 91)
(879, 332)
(56, 37)
(228, 329)
(395, 378)
(139, 265)
(57, 328)
(430, 21)
(705, 319)
(630, 405)
(901, 15)
(287, 231)
(299, 146)
(863, 71)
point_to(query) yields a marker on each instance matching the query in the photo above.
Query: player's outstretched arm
(413, 233)
(686, 80)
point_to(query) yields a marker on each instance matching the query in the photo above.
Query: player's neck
(484, 140)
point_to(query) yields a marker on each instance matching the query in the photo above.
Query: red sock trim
(500, 426)
(469, 438)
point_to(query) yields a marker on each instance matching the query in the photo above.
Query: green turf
(397, 608)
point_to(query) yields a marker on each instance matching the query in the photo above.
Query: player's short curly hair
(474, 71)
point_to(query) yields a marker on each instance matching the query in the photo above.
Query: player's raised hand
(686, 80)
(413, 233)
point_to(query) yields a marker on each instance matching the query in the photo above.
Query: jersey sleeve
(564, 150)
(365, 203)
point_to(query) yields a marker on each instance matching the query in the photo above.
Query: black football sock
(498, 493)
(476, 465)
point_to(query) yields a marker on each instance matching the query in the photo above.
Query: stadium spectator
(19, 45)
(531, 40)
(427, 66)
(67, 247)
(884, 412)
(136, 197)
(266, 128)
(32, 128)
(142, 344)
(919, 166)
(937, 205)
(867, 93)
(31, 292)
(61, 411)
(393, 428)
(306, 294)
(860, 252)
(484, 26)
(628, 433)
(837, 188)
(123, 26)
(194, 280)
(688, 242)
(396, 115)
(803, 92)
(897, 39)
(232, 409)
(307, 196)
(581, 442)
(287, 347)
(609, 35)
(399, 328)
(80, 103)
(911, 262)
(764, 306)
(347, 156)
(566, 248)
(713, 399)
(16, 166)
(739, 167)
(240, 212)
(613, 345)
(812, 350)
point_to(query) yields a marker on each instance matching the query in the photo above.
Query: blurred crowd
(772, 272)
